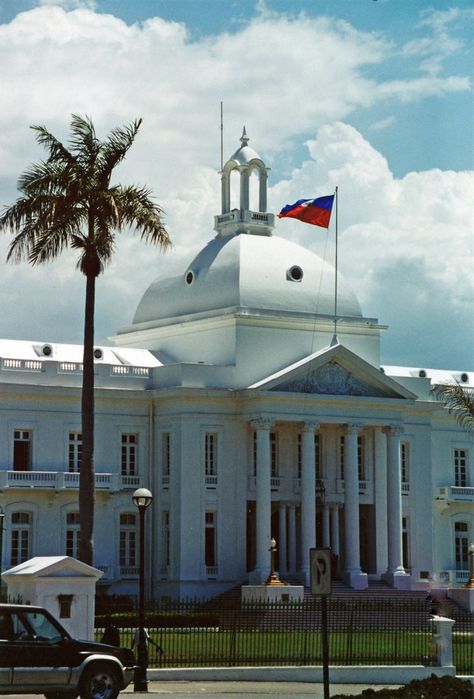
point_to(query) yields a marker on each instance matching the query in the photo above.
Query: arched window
(461, 545)
(72, 534)
(234, 184)
(128, 540)
(20, 537)
(254, 190)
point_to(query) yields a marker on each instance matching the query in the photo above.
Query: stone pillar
(380, 490)
(326, 532)
(263, 501)
(352, 573)
(262, 203)
(335, 530)
(395, 575)
(292, 538)
(244, 190)
(281, 544)
(443, 641)
(308, 497)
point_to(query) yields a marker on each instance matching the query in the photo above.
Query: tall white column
(353, 573)
(395, 572)
(380, 477)
(326, 532)
(335, 530)
(282, 547)
(263, 503)
(308, 497)
(292, 538)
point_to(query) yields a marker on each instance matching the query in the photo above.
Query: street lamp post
(142, 499)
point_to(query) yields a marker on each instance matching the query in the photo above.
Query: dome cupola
(247, 163)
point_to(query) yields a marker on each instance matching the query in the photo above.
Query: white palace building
(232, 400)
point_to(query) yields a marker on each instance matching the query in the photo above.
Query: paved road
(249, 690)
(234, 690)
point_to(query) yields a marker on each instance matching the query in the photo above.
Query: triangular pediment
(334, 371)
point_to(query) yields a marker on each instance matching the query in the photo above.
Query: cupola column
(262, 426)
(262, 204)
(244, 190)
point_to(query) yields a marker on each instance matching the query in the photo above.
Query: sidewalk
(238, 689)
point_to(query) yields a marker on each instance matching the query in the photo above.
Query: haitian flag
(314, 211)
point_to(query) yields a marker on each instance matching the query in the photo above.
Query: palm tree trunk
(87, 475)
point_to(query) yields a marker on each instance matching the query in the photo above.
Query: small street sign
(320, 571)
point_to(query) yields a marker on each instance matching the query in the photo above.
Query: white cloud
(282, 77)
(406, 244)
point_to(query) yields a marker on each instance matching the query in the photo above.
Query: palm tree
(459, 401)
(68, 201)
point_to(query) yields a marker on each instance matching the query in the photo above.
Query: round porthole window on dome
(189, 277)
(294, 274)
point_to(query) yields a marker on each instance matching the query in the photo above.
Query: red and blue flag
(314, 211)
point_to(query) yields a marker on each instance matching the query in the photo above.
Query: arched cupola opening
(250, 216)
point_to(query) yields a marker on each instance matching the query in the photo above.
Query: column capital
(311, 427)
(393, 430)
(262, 423)
(352, 428)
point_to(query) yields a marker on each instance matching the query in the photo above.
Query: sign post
(320, 579)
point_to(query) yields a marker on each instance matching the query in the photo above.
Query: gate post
(443, 640)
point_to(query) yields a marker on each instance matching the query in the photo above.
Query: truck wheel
(100, 681)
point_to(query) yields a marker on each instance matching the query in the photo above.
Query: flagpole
(335, 340)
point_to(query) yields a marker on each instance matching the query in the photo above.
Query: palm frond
(459, 402)
(139, 211)
(57, 151)
(84, 141)
(115, 148)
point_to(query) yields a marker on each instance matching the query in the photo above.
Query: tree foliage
(68, 201)
(459, 401)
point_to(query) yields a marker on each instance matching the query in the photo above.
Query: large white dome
(258, 272)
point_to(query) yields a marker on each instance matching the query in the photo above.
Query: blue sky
(372, 95)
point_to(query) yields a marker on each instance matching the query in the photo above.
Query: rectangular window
(299, 456)
(361, 457)
(210, 456)
(461, 543)
(341, 456)
(20, 537)
(274, 454)
(22, 450)
(72, 534)
(75, 452)
(129, 454)
(460, 468)
(317, 457)
(404, 462)
(254, 455)
(165, 534)
(128, 540)
(405, 549)
(165, 455)
(210, 539)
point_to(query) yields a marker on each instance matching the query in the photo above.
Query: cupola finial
(244, 139)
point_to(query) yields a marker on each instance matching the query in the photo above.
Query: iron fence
(463, 642)
(192, 633)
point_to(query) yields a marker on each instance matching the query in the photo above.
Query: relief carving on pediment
(332, 379)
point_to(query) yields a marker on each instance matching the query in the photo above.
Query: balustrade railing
(60, 480)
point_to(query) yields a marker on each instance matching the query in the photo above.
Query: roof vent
(47, 350)
(464, 378)
(294, 274)
(422, 374)
(98, 353)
